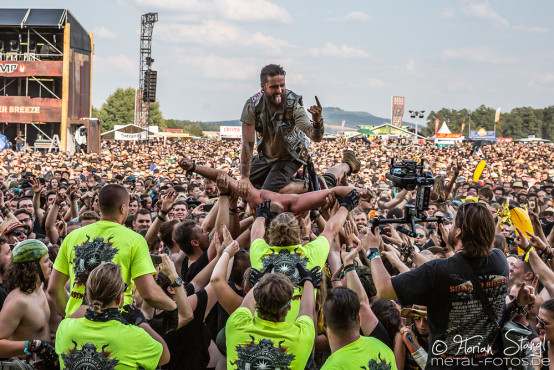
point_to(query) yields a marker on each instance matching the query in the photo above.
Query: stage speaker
(150, 80)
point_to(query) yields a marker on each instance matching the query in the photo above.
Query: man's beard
(275, 100)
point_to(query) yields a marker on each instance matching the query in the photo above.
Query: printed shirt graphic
(107, 241)
(285, 258)
(365, 353)
(459, 327)
(254, 343)
(84, 344)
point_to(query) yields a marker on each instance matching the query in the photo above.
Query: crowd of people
(210, 236)
(179, 255)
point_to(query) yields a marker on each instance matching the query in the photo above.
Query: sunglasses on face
(541, 322)
(19, 232)
(417, 317)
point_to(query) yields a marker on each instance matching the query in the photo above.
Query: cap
(460, 179)
(11, 224)
(422, 310)
(29, 250)
(549, 210)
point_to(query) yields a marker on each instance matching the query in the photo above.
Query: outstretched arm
(247, 149)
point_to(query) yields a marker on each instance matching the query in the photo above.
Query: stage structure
(146, 93)
(45, 79)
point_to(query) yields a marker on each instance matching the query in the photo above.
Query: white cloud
(484, 11)
(410, 65)
(104, 33)
(477, 54)
(357, 17)
(334, 51)
(374, 82)
(531, 29)
(209, 32)
(235, 10)
(447, 13)
(216, 67)
(115, 63)
(270, 43)
(541, 82)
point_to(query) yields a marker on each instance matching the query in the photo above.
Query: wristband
(374, 255)
(163, 212)
(352, 265)
(233, 211)
(224, 194)
(306, 238)
(346, 271)
(526, 258)
(26, 350)
(162, 219)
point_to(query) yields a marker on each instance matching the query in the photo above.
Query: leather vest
(295, 140)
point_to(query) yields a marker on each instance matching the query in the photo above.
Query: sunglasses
(420, 235)
(541, 322)
(417, 317)
(19, 232)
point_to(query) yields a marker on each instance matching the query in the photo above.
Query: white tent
(444, 129)
(130, 132)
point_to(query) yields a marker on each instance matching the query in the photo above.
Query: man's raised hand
(316, 110)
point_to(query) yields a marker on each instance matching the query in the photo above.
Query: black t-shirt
(188, 345)
(459, 327)
(3, 295)
(189, 272)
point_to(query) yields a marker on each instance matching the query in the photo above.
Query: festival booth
(445, 137)
(230, 132)
(131, 132)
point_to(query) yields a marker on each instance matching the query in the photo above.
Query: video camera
(410, 175)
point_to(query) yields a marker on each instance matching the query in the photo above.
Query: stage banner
(397, 111)
(463, 126)
(497, 116)
(448, 136)
(230, 132)
(437, 121)
(23, 109)
(482, 134)
(19, 68)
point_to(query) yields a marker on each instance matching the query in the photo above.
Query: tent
(130, 132)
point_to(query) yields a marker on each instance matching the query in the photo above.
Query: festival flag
(463, 126)
(497, 116)
(397, 111)
(437, 121)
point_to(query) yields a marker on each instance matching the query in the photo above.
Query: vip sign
(10, 68)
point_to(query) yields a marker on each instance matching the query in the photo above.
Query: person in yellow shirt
(265, 340)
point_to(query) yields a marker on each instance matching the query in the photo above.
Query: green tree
(119, 109)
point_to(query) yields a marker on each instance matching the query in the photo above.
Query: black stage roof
(47, 18)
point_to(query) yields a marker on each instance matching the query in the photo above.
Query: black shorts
(272, 176)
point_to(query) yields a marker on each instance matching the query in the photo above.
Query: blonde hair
(104, 285)
(284, 230)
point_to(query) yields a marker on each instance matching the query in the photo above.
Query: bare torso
(34, 323)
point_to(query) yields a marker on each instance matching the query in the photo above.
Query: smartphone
(532, 204)
(208, 207)
(156, 260)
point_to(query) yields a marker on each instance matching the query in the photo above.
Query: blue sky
(351, 54)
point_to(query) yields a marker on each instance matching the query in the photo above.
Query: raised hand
(521, 241)
(168, 200)
(227, 237)
(313, 275)
(262, 210)
(350, 201)
(245, 186)
(186, 164)
(168, 267)
(316, 110)
(36, 185)
(526, 293)
(256, 275)
(232, 248)
(222, 182)
(536, 242)
(349, 234)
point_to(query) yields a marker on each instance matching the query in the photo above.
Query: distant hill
(333, 119)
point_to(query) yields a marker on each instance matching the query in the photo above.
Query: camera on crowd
(410, 175)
